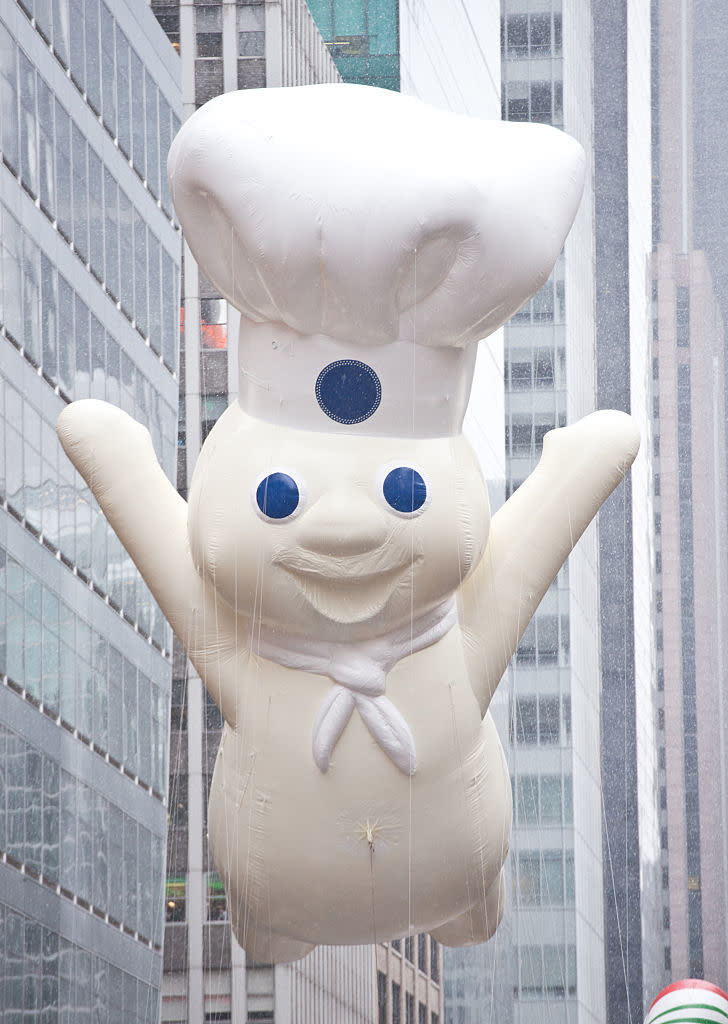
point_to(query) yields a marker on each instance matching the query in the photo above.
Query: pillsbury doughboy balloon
(335, 576)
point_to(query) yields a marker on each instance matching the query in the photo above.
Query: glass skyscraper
(89, 267)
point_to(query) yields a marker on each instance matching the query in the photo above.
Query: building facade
(688, 371)
(623, 208)
(89, 264)
(409, 981)
(557, 960)
(585, 854)
(689, 408)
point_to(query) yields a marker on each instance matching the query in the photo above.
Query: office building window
(540, 101)
(525, 434)
(554, 971)
(208, 53)
(213, 406)
(545, 878)
(213, 323)
(80, 192)
(178, 801)
(179, 705)
(529, 879)
(123, 93)
(568, 800)
(543, 720)
(571, 969)
(548, 721)
(534, 35)
(434, 960)
(167, 14)
(216, 902)
(396, 1004)
(527, 800)
(175, 900)
(547, 971)
(422, 953)
(138, 133)
(552, 878)
(526, 720)
(550, 802)
(569, 878)
(539, 800)
(251, 31)
(409, 1008)
(682, 316)
(382, 998)
(531, 971)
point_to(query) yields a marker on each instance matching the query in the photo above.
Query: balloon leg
(266, 947)
(478, 923)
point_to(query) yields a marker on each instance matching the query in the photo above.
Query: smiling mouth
(345, 590)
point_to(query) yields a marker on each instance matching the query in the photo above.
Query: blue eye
(405, 490)
(277, 496)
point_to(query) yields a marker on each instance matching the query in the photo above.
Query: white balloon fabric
(335, 577)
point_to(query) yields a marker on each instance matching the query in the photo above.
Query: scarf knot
(359, 672)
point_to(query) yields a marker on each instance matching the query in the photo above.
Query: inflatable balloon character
(689, 1002)
(335, 576)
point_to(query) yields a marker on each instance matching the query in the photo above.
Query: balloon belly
(360, 853)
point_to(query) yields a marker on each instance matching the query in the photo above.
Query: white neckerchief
(359, 671)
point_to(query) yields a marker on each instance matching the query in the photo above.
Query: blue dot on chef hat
(348, 391)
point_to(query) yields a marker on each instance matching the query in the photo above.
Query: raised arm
(114, 455)
(532, 534)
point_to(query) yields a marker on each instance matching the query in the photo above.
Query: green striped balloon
(691, 1001)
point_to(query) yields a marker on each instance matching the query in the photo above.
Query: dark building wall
(710, 166)
(623, 926)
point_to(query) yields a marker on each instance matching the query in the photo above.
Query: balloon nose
(343, 523)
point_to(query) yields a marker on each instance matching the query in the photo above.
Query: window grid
(543, 720)
(531, 35)
(87, 40)
(62, 665)
(71, 837)
(544, 878)
(543, 800)
(56, 507)
(85, 202)
(72, 980)
(547, 970)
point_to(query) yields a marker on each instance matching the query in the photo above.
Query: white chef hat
(369, 241)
